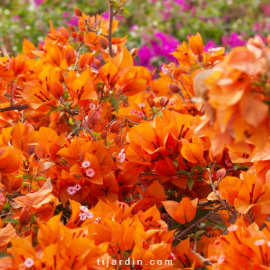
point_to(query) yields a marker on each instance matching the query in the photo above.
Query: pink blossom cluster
(85, 213)
(72, 190)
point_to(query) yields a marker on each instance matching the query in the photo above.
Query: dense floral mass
(101, 161)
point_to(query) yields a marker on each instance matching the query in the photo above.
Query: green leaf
(199, 214)
(190, 183)
(198, 167)
(6, 206)
(236, 166)
(4, 254)
(108, 143)
(220, 226)
(115, 104)
(183, 172)
(175, 225)
(59, 108)
(40, 178)
(175, 162)
(68, 103)
(11, 220)
(199, 232)
(126, 12)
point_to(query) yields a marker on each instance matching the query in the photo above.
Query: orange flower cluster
(101, 162)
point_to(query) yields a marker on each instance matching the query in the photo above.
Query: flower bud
(200, 58)
(115, 126)
(103, 42)
(163, 102)
(151, 102)
(134, 52)
(74, 34)
(80, 37)
(97, 63)
(25, 217)
(77, 12)
(221, 174)
(71, 28)
(117, 139)
(174, 88)
(103, 134)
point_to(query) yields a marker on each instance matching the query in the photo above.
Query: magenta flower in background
(15, 18)
(209, 45)
(106, 15)
(233, 41)
(183, 3)
(266, 9)
(74, 20)
(161, 46)
(38, 2)
(65, 14)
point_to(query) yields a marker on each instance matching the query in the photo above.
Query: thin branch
(180, 92)
(110, 28)
(87, 127)
(222, 202)
(183, 233)
(14, 108)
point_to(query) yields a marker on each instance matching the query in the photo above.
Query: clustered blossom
(85, 213)
(140, 114)
(90, 172)
(86, 164)
(2, 197)
(132, 111)
(29, 262)
(233, 228)
(72, 190)
(122, 156)
(92, 106)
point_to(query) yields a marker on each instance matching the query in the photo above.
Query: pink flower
(221, 259)
(77, 187)
(172, 256)
(83, 208)
(140, 114)
(233, 228)
(122, 156)
(71, 190)
(141, 105)
(132, 111)
(86, 164)
(83, 216)
(164, 70)
(259, 242)
(29, 262)
(90, 172)
(2, 197)
(92, 106)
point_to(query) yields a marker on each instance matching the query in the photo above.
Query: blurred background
(155, 27)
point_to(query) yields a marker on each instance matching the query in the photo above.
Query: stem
(183, 233)
(86, 124)
(110, 28)
(180, 92)
(222, 202)
(14, 108)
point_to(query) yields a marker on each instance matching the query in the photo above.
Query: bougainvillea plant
(102, 163)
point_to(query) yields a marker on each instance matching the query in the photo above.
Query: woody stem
(110, 28)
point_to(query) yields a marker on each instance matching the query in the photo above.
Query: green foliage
(213, 19)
